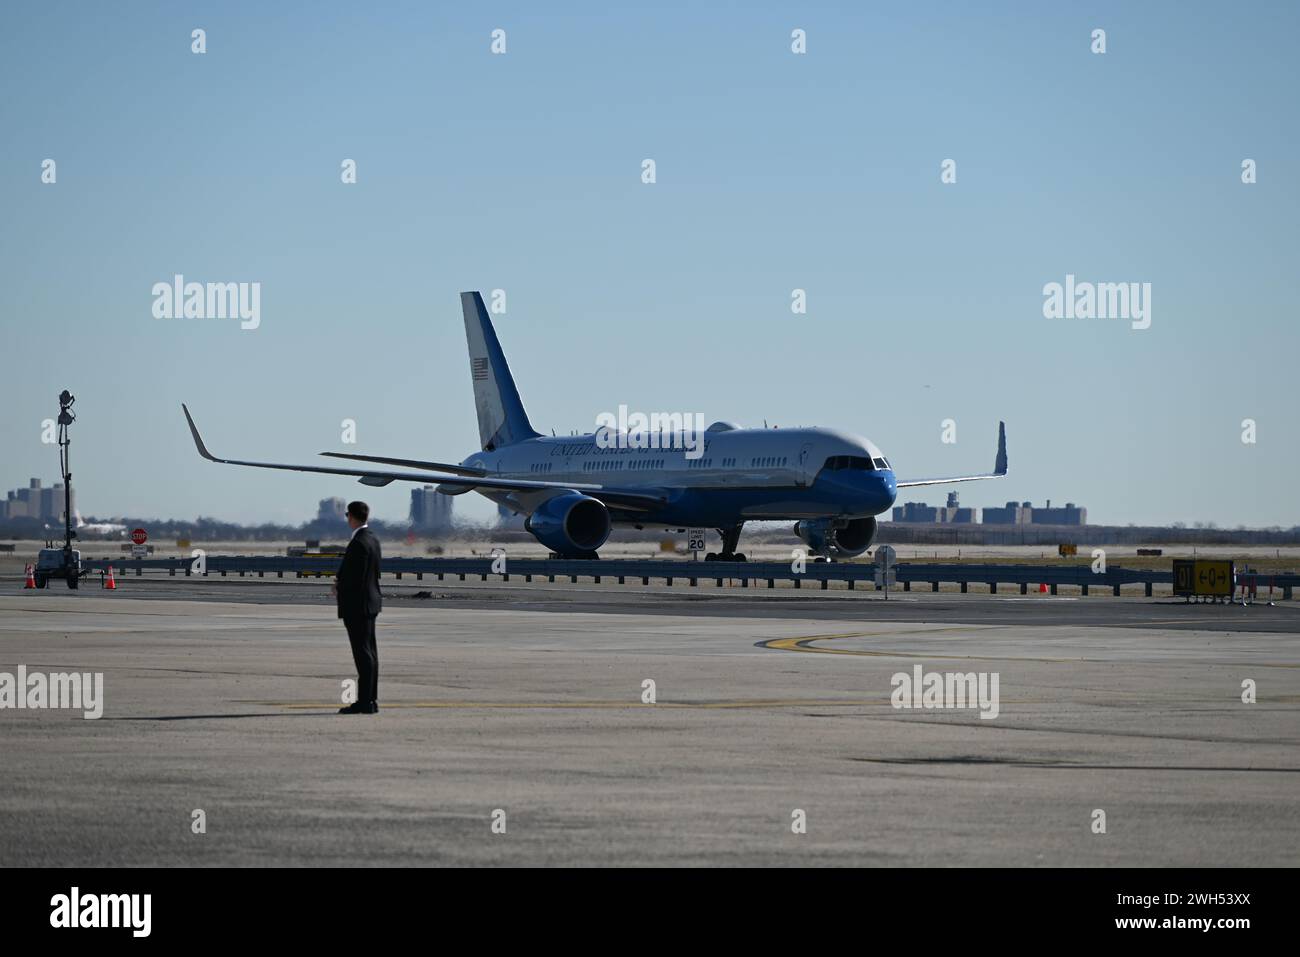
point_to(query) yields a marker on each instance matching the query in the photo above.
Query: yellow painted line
(805, 643)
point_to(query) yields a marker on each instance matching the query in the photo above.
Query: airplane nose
(877, 490)
(889, 485)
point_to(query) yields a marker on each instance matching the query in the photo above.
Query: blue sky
(775, 171)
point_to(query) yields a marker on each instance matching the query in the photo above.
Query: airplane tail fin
(501, 416)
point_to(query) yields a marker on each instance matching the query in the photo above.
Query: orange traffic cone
(31, 578)
(109, 583)
(1042, 589)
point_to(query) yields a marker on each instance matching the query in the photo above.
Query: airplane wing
(409, 463)
(999, 467)
(622, 498)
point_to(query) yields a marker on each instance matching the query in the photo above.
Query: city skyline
(439, 517)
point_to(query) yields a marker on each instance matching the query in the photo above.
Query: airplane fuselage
(739, 475)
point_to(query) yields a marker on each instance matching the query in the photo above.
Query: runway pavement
(732, 601)
(528, 702)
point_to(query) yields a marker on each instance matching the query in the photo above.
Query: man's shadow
(220, 717)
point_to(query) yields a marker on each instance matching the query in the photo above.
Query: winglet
(198, 439)
(1000, 466)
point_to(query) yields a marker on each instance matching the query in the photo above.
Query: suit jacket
(358, 577)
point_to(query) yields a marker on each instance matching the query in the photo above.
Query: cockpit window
(881, 463)
(837, 463)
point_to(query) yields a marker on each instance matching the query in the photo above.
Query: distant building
(45, 504)
(954, 514)
(916, 512)
(1011, 514)
(430, 510)
(1070, 515)
(1024, 513)
(332, 510)
(950, 514)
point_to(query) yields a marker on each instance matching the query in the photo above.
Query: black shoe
(357, 708)
(372, 708)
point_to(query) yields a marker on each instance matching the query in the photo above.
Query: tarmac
(515, 729)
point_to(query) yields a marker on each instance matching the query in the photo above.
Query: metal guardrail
(853, 574)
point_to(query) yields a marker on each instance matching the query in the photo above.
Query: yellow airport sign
(1196, 576)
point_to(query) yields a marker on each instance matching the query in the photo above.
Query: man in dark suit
(357, 588)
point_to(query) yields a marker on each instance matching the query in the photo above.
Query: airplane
(95, 528)
(574, 489)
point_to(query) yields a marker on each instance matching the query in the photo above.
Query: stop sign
(139, 536)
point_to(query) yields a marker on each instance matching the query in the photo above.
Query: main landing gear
(730, 539)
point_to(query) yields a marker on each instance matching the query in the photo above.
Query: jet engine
(843, 538)
(571, 525)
